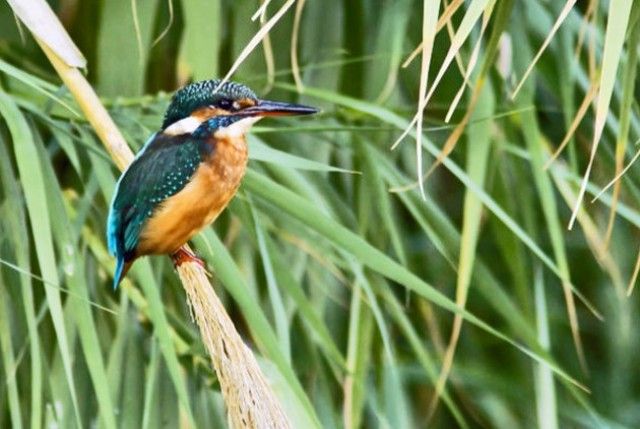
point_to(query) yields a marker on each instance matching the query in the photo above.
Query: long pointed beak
(277, 108)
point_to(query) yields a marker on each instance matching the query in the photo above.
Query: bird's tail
(122, 267)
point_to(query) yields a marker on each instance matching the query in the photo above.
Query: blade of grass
(544, 387)
(582, 111)
(37, 84)
(305, 307)
(262, 152)
(391, 36)
(200, 47)
(166, 29)
(8, 359)
(472, 61)
(393, 119)
(151, 407)
(33, 184)
(73, 271)
(502, 16)
(277, 303)
(373, 258)
(477, 160)
(634, 276)
(532, 137)
(123, 25)
(592, 235)
(421, 352)
(360, 334)
(150, 288)
(16, 225)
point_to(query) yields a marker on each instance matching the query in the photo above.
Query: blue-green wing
(161, 169)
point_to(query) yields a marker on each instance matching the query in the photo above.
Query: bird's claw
(183, 255)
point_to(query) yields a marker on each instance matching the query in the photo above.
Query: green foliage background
(342, 284)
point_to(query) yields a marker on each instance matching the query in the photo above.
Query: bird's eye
(225, 104)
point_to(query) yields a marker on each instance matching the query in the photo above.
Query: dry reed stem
(249, 399)
(295, 67)
(269, 60)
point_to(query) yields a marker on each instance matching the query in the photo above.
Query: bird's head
(235, 104)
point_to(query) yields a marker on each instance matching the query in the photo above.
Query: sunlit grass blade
(38, 16)
(545, 390)
(430, 11)
(628, 95)
(250, 46)
(582, 111)
(359, 338)
(614, 40)
(634, 276)
(471, 17)
(593, 235)
(472, 62)
(277, 304)
(8, 360)
(445, 17)
(267, 48)
(38, 84)
(264, 153)
(563, 15)
(295, 67)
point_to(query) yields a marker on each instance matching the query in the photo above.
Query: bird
(187, 173)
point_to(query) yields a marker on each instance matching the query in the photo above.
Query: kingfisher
(186, 173)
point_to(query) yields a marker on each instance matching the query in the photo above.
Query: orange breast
(186, 213)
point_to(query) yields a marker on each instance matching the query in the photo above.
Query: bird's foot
(183, 255)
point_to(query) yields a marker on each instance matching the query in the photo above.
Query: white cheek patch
(183, 126)
(237, 129)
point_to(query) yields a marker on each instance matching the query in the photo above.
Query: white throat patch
(237, 129)
(183, 126)
(190, 124)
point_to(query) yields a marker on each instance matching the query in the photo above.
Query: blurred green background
(333, 267)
